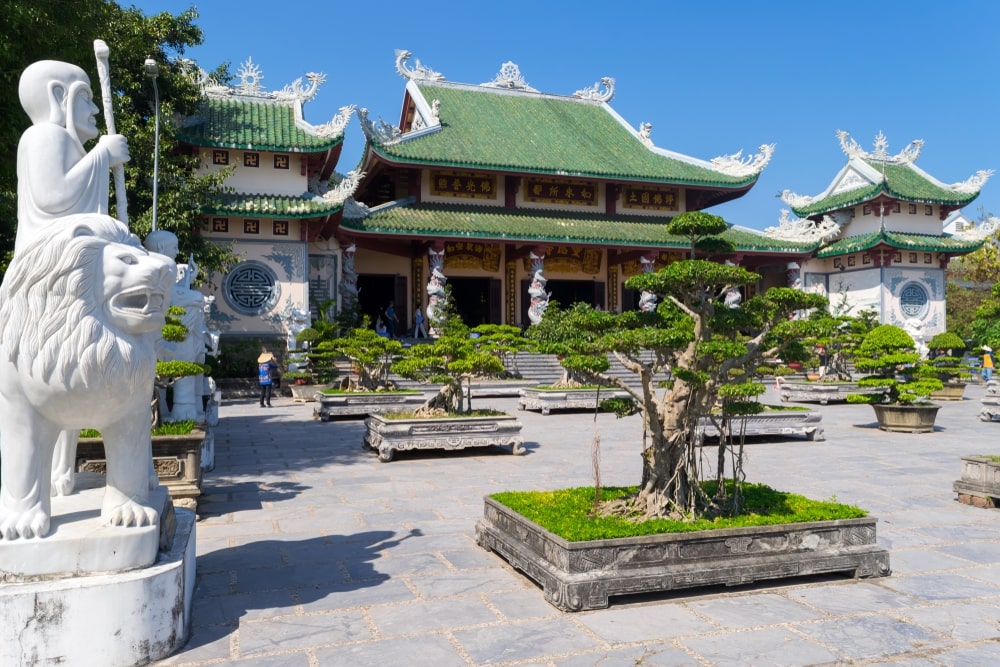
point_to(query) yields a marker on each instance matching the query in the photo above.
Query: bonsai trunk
(450, 399)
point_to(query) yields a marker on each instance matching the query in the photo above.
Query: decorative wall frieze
(737, 165)
(595, 93)
(803, 230)
(419, 71)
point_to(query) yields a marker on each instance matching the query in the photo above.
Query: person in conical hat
(266, 367)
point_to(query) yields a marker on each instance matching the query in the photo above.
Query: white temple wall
(899, 287)
(916, 223)
(263, 178)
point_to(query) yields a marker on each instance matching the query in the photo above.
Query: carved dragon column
(348, 280)
(648, 300)
(539, 297)
(435, 288)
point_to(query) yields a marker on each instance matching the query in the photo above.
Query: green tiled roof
(902, 182)
(244, 124)
(903, 241)
(484, 128)
(463, 221)
(272, 206)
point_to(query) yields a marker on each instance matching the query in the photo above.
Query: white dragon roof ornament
(381, 133)
(595, 93)
(419, 71)
(737, 165)
(804, 230)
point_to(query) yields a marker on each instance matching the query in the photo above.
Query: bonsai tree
(503, 341)
(711, 350)
(831, 341)
(371, 356)
(450, 359)
(888, 355)
(948, 356)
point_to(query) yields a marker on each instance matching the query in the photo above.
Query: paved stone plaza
(312, 553)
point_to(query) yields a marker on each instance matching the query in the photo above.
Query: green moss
(567, 512)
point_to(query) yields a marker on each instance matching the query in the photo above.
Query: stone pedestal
(128, 615)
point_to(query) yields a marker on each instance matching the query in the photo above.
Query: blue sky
(713, 77)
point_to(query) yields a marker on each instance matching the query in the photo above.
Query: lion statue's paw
(62, 483)
(33, 522)
(130, 513)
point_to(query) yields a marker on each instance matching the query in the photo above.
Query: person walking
(419, 328)
(988, 363)
(391, 322)
(266, 368)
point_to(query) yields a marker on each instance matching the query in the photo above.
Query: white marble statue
(56, 176)
(81, 306)
(436, 293)
(539, 297)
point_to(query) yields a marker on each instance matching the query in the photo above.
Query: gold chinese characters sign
(472, 255)
(553, 191)
(650, 199)
(466, 185)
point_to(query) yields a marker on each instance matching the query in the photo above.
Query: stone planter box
(364, 403)
(991, 402)
(305, 393)
(387, 436)
(793, 422)
(577, 576)
(906, 418)
(822, 392)
(952, 391)
(980, 483)
(176, 459)
(547, 400)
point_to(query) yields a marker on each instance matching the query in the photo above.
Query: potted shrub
(446, 420)
(368, 390)
(888, 354)
(947, 351)
(661, 533)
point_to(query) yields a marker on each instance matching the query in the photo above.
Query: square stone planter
(980, 482)
(822, 392)
(547, 400)
(176, 459)
(576, 576)
(305, 393)
(804, 423)
(387, 436)
(364, 403)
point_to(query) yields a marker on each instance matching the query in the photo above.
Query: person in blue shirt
(266, 367)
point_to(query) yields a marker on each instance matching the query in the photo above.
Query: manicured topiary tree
(710, 349)
(371, 356)
(889, 358)
(947, 351)
(450, 359)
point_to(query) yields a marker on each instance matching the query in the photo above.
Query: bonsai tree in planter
(371, 357)
(503, 341)
(948, 356)
(701, 341)
(888, 355)
(451, 359)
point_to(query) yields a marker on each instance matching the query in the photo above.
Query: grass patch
(587, 387)
(412, 415)
(183, 427)
(341, 392)
(991, 458)
(567, 512)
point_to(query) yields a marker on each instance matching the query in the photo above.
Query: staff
(101, 52)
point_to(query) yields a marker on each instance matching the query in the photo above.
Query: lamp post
(153, 71)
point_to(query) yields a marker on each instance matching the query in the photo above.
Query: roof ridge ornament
(383, 133)
(880, 153)
(645, 130)
(737, 165)
(795, 200)
(345, 187)
(419, 72)
(974, 183)
(337, 124)
(595, 93)
(982, 231)
(509, 77)
(250, 76)
(804, 229)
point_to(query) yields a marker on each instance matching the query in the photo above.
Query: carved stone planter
(822, 392)
(546, 400)
(991, 402)
(952, 391)
(980, 483)
(306, 393)
(793, 422)
(387, 436)
(364, 403)
(906, 418)
(176, 459)
(582, 575)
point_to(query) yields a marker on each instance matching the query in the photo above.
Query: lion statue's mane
(50, 315)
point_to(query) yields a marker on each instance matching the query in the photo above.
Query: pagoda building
(880, 227)
(513, 197)
(283, 204)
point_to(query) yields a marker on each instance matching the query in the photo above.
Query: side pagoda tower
(880, 228)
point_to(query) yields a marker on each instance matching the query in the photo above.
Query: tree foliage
(888, 355)
(710, 350)
(60, 30)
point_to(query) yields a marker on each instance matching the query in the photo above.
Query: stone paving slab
(313, 553)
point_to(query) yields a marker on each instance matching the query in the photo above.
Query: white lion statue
(80, 309)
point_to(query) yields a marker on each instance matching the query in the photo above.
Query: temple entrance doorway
(376, 291)
(566, 292)
(477, 300)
